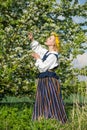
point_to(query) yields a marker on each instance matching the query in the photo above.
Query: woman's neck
(52, 48)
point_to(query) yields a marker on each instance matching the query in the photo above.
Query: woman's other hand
(35, 55)
(30, 36)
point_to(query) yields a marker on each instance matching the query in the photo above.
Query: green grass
(19, 117)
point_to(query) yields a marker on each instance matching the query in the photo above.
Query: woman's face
(50, 41)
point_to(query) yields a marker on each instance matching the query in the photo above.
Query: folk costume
(49, 103)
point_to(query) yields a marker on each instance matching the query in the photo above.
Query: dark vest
(46, 55)
(48, 73)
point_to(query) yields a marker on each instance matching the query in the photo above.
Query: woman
(48, 102)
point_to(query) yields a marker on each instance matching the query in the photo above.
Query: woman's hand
(30, 36)
(35, 55)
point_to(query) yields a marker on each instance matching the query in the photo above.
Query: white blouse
(50, 62)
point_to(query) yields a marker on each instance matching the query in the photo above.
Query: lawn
(19, 117)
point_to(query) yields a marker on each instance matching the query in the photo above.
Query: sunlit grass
(19, 117)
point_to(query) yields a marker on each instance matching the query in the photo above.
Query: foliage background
(17, 18)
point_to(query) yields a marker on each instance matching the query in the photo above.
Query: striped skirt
(49, 103)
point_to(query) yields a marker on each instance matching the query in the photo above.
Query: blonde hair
(57, 41)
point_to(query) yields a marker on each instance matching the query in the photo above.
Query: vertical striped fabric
(49, 103)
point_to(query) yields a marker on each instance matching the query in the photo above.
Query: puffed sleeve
(36, 47)
(49, 63)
